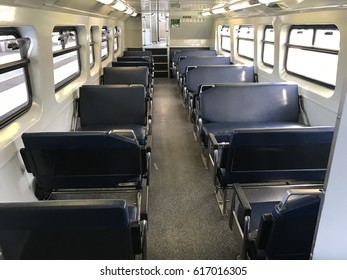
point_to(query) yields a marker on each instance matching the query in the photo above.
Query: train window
(268, 54)
(245, 41)
(225, 38)
(15, 89)
(105, 35)
(312, 53)
(66, 61)
(91, 48)
(116, 35)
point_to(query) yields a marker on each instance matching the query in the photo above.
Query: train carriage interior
(173, 129)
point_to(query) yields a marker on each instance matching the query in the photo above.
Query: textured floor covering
(184, 220)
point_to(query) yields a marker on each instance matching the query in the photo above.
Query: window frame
(115, 38)
(244, 39)
(222, 36)
(309, 48)
(264, 42)
(92, 47)
(107, 40)
(64, 51)
(23, 64)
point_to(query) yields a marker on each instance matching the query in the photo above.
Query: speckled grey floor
(184, 220)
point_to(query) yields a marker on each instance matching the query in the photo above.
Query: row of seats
(114, 107)
(272, 156)
(183, 60)
(198, 78)
(137, 58)
(221, 108)
(184, 53)
(108, 152)
(257, 145)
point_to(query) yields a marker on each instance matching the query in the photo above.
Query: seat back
(201, 60)
(174, 51)
(132, 63)
(138, 53)
(213, 74)
(185, 53)
(272, 155)
(250, 102)
(82, 159)
(126, 75)
(112, 104)
(70, 229)
(135, 58)
(290, 233)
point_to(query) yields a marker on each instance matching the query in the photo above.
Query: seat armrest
(264, 231)
(215, 150)
(198, 125)
(75, 123)
(189, 95)
(215, 144)
(245, 243)
(148, 146)
(136, 237)
(197, 115)
(149, 125)
(128, 133)
(240, 194)
(242, 224)
(148, 151)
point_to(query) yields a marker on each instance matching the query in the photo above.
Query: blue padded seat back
(111, 104)
(135, 58)
(186, 53)
(201, 60)
(291, 154)
(81, 159)
(138, 53)
(218, 74)
(69, 229)
(244, 102)
(131, 64)
(292, 230)
(126, 75)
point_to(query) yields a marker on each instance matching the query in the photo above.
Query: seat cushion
(223, 131)
(139, 130)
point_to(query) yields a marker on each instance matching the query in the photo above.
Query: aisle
(184, 220)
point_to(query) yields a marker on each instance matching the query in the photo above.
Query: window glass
(268, 54)
(91, 48)
(327, 39)
(115, 42)
(312, 53)
(225, 38)
(301, 37)
(66, 58)
(105, 35)
(245, 41)
(15, 90)
(65, 66)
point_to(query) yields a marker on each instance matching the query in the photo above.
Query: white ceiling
(175, 7)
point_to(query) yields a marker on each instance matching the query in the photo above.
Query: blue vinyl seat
(221, 108)
(271, 156)
(197, 76)
(114, 107)
(276, 229)
(80, 160)
(71, 230)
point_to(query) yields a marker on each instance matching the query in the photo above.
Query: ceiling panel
(179, 7)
